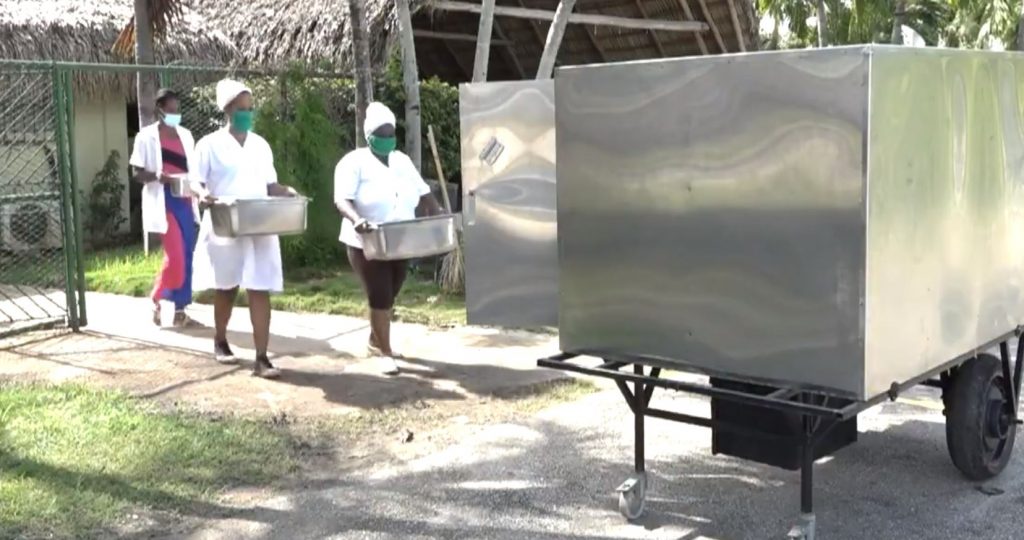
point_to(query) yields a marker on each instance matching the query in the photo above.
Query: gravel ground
(551, 477)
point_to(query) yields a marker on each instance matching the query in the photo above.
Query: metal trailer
(818, 231)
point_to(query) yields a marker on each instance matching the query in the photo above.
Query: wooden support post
(574, 18)
(554, 41)
(651, 33)
(711, 22)
(685, 4)
(483, 41)
(736, 26)
(452, 36)
(411, 81)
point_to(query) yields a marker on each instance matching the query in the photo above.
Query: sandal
(182, 320)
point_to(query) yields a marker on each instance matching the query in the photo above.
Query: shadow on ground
(546, 480)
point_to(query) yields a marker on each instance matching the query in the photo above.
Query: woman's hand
(281, 190)
(363, 226)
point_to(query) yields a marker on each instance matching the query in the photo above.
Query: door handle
(469, 208)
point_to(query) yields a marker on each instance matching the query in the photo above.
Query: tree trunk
(361, 63)
(776, 35)
(146, 83)
(554, 41)
(1019, 42)
(897, 22)
(411, 80)
(483, 41)
(822, 24)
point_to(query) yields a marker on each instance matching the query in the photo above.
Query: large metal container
(259, 217)
(840, 219)
(411, 239)
(508, 203)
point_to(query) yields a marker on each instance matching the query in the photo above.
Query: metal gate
(41, 271)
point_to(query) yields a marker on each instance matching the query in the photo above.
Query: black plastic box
(771, 452)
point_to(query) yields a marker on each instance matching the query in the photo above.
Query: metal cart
(816, 231)
(980, 395)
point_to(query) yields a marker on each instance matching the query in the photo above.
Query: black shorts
(382, 280)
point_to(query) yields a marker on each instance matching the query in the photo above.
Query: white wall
(100, 126)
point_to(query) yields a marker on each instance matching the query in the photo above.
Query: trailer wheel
(980, 431)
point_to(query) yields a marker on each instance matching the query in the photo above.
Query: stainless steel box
(508, 203)
(411, 239)
(258, 217)
(839, 219)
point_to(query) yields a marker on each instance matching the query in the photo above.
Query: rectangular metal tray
(412, 239)
(180, 186)
(258, 217)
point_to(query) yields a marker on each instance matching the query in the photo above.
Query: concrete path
(552, 478)
(322, 356)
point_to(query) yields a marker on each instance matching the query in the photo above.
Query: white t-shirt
(382, 193)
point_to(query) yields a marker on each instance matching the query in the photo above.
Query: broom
(452, 277)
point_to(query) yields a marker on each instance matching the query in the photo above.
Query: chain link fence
(39, 270)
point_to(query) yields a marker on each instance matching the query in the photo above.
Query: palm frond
(162, 15)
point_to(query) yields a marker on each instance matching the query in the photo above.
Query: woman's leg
(223, 305)
(173, 272)
(376, 279)
(182, 294)
(259, 314)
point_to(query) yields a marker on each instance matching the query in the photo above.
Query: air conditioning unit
(31, 225)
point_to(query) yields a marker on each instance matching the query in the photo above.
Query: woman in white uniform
(233, 162)
(374, 185)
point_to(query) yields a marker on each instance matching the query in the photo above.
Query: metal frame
(811, 405)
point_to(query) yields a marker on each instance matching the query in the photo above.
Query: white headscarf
(228, 90)
(377, 115)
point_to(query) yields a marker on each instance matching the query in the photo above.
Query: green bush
(310, 124)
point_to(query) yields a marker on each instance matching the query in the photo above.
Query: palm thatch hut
(274, 32)
(83, 31)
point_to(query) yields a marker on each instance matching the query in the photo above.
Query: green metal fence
(40, 257)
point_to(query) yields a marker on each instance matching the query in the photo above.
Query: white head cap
(377, 115)
(228, 90)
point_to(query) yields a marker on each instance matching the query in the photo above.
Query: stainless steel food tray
(412, 239)
(259, 217)
(180, 186)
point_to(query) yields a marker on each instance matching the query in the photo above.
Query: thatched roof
(271, 33)
(274, 33)
(524, 39)
(84, 30)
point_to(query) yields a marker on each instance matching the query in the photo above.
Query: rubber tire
(966, 404)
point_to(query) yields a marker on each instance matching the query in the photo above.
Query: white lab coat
(382, 193)
(241, 171)
(148, 155)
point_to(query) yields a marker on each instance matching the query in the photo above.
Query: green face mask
(241, 121)
(382, 146)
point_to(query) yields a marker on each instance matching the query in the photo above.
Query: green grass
(74, 460)
(335, 291)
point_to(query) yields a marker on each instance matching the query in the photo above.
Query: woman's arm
(348, 211)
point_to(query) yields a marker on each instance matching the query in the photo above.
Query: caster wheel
(980, 431)
(804, 530)
(632, 496)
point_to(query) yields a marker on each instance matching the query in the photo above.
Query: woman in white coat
(374, 185)
(163, 151)
(236, 163)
